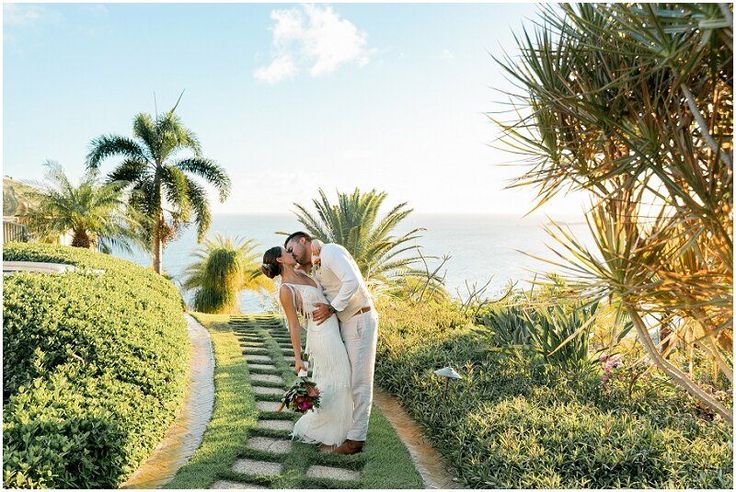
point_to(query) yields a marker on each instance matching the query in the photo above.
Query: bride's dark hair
(270, 266)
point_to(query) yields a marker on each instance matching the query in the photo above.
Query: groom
(344, 287)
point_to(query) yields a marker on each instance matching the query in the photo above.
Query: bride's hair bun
(270, 267)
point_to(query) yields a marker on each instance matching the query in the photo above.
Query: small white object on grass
(448, 372)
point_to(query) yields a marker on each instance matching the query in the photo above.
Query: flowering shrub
(608, 364)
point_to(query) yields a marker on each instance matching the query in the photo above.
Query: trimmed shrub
(515, 421)
(94, 368)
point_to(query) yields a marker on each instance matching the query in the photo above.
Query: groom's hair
(297, 235)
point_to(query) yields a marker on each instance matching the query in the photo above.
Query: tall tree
(157, 167)
(634, 104)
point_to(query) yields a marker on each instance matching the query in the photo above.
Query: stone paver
(263, 390)
(257, 358)
(266, 378)
(282, 425)
(269, 444)
(319, 471)
(229, 484)
(261, 366)
(256, 467)
(269, 406)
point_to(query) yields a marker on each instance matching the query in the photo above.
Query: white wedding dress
(329, 424)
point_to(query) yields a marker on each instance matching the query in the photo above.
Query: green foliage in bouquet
(94, 368)
(302, 396)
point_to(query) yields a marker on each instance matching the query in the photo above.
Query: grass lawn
(385, 463)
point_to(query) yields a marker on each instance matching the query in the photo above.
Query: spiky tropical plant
(96, 214)
(157, 167)
(224, 267)
(634, 103)
(353, 222)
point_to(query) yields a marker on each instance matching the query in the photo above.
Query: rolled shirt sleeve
(336, 260)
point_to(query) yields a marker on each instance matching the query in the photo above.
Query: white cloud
(21, 15)
(18, 15)
(282, 67)
(314, 37)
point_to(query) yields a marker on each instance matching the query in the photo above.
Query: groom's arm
(337, 261)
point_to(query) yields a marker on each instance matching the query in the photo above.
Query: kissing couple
(323, 291)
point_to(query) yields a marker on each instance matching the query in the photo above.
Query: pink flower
(613, 362)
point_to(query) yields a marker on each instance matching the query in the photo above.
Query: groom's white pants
(360, 334)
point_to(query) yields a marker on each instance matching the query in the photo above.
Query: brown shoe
(326, 448)
(349, 447)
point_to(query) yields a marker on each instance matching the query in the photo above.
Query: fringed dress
(329, 424)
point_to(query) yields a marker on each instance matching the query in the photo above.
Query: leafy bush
(559, 333)
(516, 421)
(94, 368)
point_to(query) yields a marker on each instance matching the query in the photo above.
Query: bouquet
(301, 397)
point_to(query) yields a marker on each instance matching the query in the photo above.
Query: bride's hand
(299, 366)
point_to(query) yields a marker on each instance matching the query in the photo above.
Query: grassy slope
(385, 462)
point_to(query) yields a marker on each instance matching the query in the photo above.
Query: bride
(328, 424)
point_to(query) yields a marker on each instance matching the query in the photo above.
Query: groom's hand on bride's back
(322, 312)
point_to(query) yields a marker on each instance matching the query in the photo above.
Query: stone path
(270, 453)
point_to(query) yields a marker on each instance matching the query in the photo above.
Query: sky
(287, 98)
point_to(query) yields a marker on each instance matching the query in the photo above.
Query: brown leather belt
(362, 310)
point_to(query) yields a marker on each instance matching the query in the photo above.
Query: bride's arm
(287, 301)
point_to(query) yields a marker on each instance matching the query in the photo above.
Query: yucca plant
(224, 268)
(633, 103)
(96, 214)
(509, 325)
(560, 334)
(157, 167)
(384, 258)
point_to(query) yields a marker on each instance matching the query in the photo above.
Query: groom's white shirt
(342, 281)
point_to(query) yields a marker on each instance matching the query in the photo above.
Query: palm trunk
(157, 250)
(677, 376)
(81, 239)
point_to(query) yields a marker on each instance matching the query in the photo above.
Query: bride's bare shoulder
(285, 292)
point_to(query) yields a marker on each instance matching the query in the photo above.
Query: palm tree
(96, 214)
(634, 103)
(353, 222)
(225, 267)
(158, 175)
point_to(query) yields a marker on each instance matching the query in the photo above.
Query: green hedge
(514, 422)
(94, 368)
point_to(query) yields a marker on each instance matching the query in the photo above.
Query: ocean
(481, 247)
